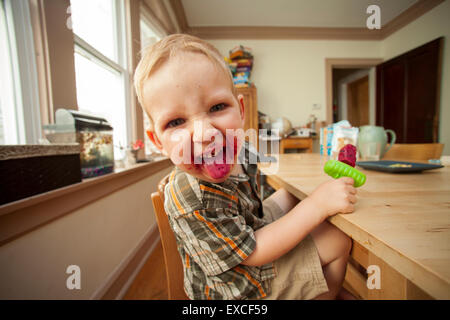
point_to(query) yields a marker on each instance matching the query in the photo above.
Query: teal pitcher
(372, 141)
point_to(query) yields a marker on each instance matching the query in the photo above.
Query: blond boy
(232, 245)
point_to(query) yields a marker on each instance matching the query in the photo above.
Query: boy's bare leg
(345, 295)
(284, 199)
(334, 248)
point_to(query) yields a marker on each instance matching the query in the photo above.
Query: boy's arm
(280, 236)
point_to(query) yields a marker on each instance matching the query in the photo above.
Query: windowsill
(19, 217)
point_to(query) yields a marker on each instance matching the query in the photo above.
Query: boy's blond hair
(157, 54)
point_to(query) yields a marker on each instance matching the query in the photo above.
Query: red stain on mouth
(217, 165)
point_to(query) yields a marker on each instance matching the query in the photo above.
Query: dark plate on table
(396, 166)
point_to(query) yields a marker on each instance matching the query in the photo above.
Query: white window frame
(25, 121)
(148, 18)
(120, 40)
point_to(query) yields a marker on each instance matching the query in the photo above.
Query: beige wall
(97, 238)
(290, 74)
(432, 25)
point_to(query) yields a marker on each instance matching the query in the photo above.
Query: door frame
(342, 63)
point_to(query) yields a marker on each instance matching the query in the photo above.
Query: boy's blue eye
(217, 107)
(175, 123)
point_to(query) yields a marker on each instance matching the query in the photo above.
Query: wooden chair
(414, 151)
(174, 266)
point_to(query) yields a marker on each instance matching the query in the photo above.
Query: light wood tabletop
(402, 219)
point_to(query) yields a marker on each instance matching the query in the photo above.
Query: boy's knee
(330, 236)
(346, 243)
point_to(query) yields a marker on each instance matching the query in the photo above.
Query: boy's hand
(335, 196)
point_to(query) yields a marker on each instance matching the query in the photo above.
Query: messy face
(195, 116)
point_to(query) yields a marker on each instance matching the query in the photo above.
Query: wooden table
(400, 224)
(296, 143)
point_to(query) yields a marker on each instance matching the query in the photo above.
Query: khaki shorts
(299, 274)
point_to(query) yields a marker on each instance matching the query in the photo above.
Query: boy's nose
(204, 133)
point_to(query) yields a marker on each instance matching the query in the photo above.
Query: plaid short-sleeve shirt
(214, 226)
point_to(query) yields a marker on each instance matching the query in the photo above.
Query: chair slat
(174, 266)
(414, 151)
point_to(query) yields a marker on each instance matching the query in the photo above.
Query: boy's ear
(241, 106)
(154, 139)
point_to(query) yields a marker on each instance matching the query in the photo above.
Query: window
(101, 64)
(8, 130)
(148, 37)
(19, 97)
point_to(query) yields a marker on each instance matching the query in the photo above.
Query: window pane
(100, 91)
(4, 61)
(8, 119)
(94, 22)
(148, 37)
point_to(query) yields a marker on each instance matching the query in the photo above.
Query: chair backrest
(174, 266)
(414, 151)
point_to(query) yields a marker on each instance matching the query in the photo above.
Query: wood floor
(150, 283)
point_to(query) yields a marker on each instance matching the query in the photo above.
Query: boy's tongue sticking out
(214, 161)
(217, 169)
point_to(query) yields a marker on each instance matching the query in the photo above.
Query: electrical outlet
(316, 106)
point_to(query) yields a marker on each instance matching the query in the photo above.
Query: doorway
(345, 81)
(352, 98)
(358, 102)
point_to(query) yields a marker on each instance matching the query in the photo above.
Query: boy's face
(193, 108)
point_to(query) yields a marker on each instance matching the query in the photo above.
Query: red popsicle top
(347, 155)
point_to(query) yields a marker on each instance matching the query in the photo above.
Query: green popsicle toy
(337, 169)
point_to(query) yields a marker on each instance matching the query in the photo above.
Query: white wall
(432, 25)
(97, 238)
(290, 74)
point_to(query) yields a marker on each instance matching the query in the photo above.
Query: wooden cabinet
(251, 108)
(408, 93)
(296, 143)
